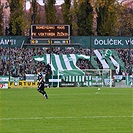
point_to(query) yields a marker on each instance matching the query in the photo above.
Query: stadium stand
(21, 61)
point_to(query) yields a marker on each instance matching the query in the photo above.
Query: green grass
(68, 110)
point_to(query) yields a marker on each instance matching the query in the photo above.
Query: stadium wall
(16, 82)
(107, 42)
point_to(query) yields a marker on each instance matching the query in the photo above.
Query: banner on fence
(4, 82)
(3, 85)
(23, 84)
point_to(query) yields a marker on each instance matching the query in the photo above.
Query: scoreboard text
(50, 31)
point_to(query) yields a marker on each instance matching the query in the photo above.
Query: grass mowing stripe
(69, 117)
(67, 110)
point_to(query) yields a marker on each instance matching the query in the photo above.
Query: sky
(58, 2)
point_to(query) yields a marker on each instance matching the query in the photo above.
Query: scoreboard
(53, 32)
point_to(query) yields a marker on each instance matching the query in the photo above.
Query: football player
(41, 83)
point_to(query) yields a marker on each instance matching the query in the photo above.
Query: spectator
(21, 61)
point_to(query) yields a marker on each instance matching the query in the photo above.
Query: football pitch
(68, 110)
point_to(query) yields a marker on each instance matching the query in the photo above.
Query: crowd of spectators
(21, 61)
(124, 54)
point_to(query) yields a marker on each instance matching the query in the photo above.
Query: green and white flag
(107, 55)
(101, 59)
(65, 63)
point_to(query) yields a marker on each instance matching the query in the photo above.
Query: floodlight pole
(9, 46)
(90, 50)
(50, 49)
(129, 52)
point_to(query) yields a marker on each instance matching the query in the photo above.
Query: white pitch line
(69, 117)
(88, 117)
(31, 118)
